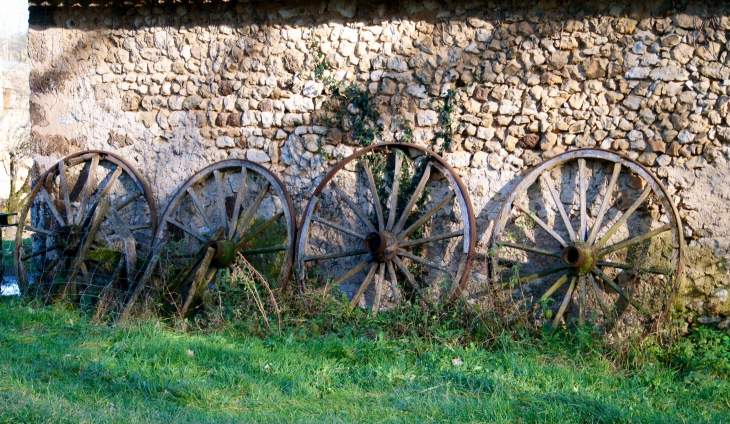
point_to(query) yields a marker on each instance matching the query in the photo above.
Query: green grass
(55, 366)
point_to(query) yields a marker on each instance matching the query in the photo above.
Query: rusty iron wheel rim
(85, 229)
(246, 186)
(581, 259)
(389, 228)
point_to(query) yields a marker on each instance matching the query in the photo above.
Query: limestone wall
(176, 87)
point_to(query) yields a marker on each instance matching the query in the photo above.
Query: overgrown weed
(460, 325)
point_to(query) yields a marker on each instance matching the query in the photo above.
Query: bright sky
(13, 17)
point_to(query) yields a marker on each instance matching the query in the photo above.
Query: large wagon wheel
(591, 235)
(395, 207)
(228, 208)
(85, 232)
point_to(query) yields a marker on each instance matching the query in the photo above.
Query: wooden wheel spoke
(393, 282)
(200, 274)
(261, 250)
(138, 288)
(582, 300)
(599, 297)
(194, 197)
(221, 199)
(422, 261)
(405, 233)
(394, 192)
(632, 267)
(542, 224)
(618, 290)
(540, 274)
(364, 285)
(559, 205)
(376, 199)
(353, 207)
(39, 252)
(187, 229)
(379, 279)
(630, 242)
(110, 180)
(554, 287)
(418, 242)
(625, 217)
(199, 256)
(334, 255)
(583, 188)
(414, 198)
(359, 267)
(51, 206)
(86, 191)
(605, 203)
(269, 222)
(50, 268)
(564, 305)
(39, 231)
(127, 201)
(140, 226)
(411, 279)
(246, 218)
(337, 227)
(130, 245)
(64, 190)
(237, 204)
(528, 249)
(98, 218)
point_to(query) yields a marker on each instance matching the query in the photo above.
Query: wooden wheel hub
(225, 252)
(383, 246)
(69, 238)
(579, 257)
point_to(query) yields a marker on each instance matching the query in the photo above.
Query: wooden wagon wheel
(85, 232)
(395, 207)
(228, 208)
(592, 235)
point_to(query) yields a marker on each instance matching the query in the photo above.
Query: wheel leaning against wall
(588, 237)
(229, 208)
(85, 232)
(389, 207)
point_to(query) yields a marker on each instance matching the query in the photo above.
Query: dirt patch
(52, 145)
(45, 82)
(119, 140)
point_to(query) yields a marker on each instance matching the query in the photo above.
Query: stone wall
(176, 87)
